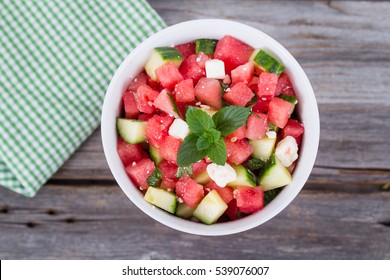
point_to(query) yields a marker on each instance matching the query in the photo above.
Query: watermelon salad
(208, 131)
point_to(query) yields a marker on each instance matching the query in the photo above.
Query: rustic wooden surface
(343, 212)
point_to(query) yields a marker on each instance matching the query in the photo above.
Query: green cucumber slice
(244, 177)
(159, 57)
(206, 46)
(263, 147)
(155, 155)
(267, 62)
(274, 175)
(162, 199)
(202, 178)
(184, 211)
(210, 208)
(132, 131)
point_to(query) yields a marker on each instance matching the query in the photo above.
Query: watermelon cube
(209, 92)
(169, 148)
(166, 103)
(232, 211)
(199, 167)
(184, 91)
(129, 153)
(238, 151)
(145, 117)
(225, 193)
(201, 59)
(189, 191)
(140, 171)
(243, 73)
(293, 128)
(261, 106)
(240, 94)
(279, 112)
(168, 171)
(186, 49)
(145, 97)
(138, 81)
(256, 126)
(267, 85)
(190, 69)
(131, 109)
(157, 129)
(238, 134)
(168, 75)
(284, 85)
(232, 52)
(249, 199)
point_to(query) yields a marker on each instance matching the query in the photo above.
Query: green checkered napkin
(56, 59)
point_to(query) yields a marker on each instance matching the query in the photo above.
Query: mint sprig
(206, 137)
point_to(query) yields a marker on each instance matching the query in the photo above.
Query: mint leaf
(229, 118)
(184, 170)
(270, 195)
(217, 152)
(188, 152)
(154, 178)
(203, 143)
(198, 120)
(255, 164)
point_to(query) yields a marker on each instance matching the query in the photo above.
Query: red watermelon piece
(293, 128)
(145, 117)
(225, 193)
(131, 109)
(238, 151)
(232, 52)
(232, 211)
(253, 83)
(129, 153)
(138, 81)
(249, 199)
(279, 112)
(284, 85)
(209, 92)
(186, 49)
(190, 69)
(157, 129)
(166, 103)
(267, 85)
(168, 171)
(184, 91)
(201, 59)
(140, 171)
(145, 97)
(199, 167)
(243, 73)
(189, 191)
(256, 126)
(240, 94)
(238, 134)
(168, 75)
(154, 84)
(169, 148)
(261, 106)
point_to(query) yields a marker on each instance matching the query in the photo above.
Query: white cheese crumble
(287, 151)
(179, 129)
(215, 69)
(271, 134)
(221, 174)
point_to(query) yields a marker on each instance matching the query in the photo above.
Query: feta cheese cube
(287, 151)
(179, 129)
(271, 134)
(215, 69)
(221, 174)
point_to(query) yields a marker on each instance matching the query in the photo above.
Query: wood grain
(342, 212)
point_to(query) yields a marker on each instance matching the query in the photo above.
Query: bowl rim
(255, 219)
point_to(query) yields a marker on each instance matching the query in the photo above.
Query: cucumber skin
(206, 46)
(155, 155)
(268, 168)
(268, 63)
(249, 178)
(169, 53)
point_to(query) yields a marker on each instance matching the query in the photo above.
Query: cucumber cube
(132, 131)
(274, 175)
(159, 57)
(263, 147)
(210, 208)
(162, 199)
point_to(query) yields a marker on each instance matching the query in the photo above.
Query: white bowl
(189, 31)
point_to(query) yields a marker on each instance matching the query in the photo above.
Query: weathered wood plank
(100, 222)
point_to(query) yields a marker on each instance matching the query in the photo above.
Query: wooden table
(343, 212)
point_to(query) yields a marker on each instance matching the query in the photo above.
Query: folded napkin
(56, 61)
